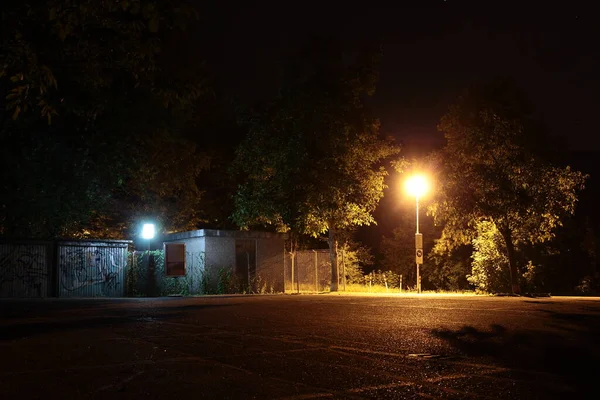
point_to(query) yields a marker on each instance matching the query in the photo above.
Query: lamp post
(148, 232)
(417, 186)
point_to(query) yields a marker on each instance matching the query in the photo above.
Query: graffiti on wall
(23, 270)
(85, 267)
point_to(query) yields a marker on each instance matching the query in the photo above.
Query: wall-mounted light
(148, 231)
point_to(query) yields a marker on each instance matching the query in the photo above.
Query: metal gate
(78, 268)
(90, 269)
(25, 269)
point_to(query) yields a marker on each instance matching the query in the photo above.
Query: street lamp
(417, 186)
(148, 233)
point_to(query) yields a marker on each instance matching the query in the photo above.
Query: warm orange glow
(417, 185)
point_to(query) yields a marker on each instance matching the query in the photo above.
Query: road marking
(380, 387)
(121, 383)
(307, 396)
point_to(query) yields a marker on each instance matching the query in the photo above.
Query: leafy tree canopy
(490, 170)
(312, 161)
(95, 106)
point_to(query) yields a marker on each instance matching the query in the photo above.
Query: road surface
(300, 347)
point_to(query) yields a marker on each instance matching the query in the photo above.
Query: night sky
(431, 52)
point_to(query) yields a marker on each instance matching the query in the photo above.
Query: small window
(175, 259)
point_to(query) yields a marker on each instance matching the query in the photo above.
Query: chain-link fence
(310, 271)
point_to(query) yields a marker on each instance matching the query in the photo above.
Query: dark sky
(431, 52)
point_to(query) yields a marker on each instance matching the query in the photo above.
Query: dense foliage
(491, 173)
(96, 103)
(312, 161)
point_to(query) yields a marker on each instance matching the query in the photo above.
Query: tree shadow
(568, 348)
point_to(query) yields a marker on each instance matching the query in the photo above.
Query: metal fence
(78, 268)
(25, 269)
(91, 269)
(310, 271)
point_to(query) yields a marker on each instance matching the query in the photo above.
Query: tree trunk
(512, 261)
(333, 258)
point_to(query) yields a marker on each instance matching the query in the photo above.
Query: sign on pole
(419, 247)
(419, 256)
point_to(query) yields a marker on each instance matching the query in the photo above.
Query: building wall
(210, 262)
(237, 261)
(192, 282)
(147, 277)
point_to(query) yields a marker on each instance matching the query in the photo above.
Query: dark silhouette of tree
(97, 100)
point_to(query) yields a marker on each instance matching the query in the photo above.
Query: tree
(440, 271)
(355, 257)
(449, 271)
(489, 260)
(398, 250)
(96, 106)
(491, 172)
(312, 161)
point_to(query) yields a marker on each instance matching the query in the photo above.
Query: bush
(490, 262)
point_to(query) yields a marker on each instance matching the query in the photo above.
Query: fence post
(344, 268)
(297, 272)
(248, 269)
(400, 283)
(316, 272)
(292, 269)
(385, 281)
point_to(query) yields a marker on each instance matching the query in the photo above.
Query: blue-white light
(148, 231)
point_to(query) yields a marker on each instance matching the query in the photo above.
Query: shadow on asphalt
(23, 308)
(569, 349)
(74, 317)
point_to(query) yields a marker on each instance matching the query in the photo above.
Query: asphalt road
(300, 347)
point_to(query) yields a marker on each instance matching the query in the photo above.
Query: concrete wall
(195, 254)
(220, 254)
(222, 273)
